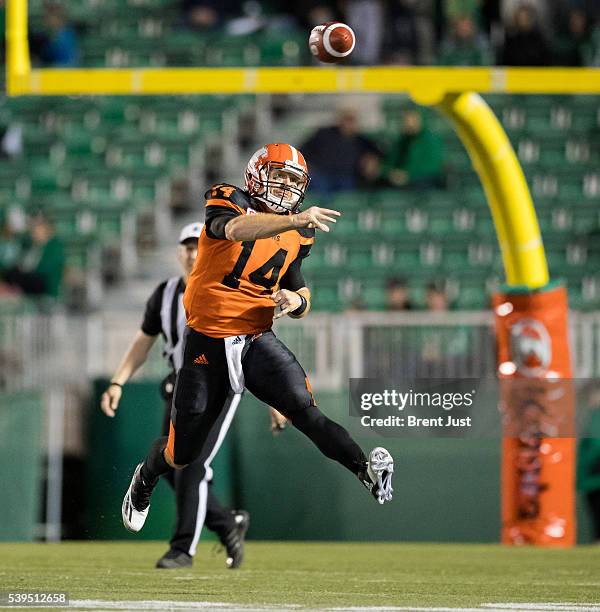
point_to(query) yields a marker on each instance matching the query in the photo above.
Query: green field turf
(276, 575)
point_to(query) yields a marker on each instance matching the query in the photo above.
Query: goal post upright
(534, 366)
(18, 66)
(505, 187)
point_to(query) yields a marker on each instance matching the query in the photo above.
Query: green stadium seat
(374, 297)
(471, 298)
(359, 260)
(109, 221)
(394, 227)
(288, 49)
(440, 223)
(315, 261)
(393, 201)
(44, 178)
(350, 201)
(325, 297)
(347, 225)
(406, 261)
(456, 258)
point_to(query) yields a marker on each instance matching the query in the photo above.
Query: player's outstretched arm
(135, 356)
(264, 225)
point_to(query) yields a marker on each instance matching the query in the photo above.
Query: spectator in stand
(591, 8)
(11, 244)
(309, 13)
(41, 267)
(465, 46)
(205, 15)
(525, 44)
(57, 45)
(444, 350)
(367, 19)
(546, 12)
(455, 9)
(595, 46)
(436, 297)
(340, 158)
(402, 36)
(396, 294)
(574, 45)
(416, 159)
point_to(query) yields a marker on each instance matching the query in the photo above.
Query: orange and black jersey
(228, 290)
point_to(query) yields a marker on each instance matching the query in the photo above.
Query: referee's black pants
(204, 391)
(197, 505)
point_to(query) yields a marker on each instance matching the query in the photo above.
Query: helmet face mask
(284, 187)
(279, 185)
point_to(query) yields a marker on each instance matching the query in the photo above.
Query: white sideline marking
(495, 607)
(100, 604)
(575, 607)
(166, 605)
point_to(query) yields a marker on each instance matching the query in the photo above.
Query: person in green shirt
(574, 44)
(416, 159)
(459, 8)
(10, 244)
(41, 267)
(465, 46)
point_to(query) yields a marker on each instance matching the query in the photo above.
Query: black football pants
(195, 499)
(203, 392)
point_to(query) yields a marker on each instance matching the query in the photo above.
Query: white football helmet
(277, 176)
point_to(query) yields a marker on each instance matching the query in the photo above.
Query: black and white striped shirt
(165, 315)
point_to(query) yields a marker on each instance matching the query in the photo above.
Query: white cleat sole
(133, 519)
(380, 468)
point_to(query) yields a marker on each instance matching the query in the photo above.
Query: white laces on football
(383, 466)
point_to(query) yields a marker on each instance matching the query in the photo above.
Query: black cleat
(174, 559)
(234, 539)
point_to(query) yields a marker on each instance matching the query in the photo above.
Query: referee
(196, 502)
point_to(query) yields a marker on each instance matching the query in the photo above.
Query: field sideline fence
(59, 354)
(42, 351)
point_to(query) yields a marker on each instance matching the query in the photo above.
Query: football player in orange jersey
(250, 254)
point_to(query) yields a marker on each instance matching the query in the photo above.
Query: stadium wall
(21, 460)
(115, 446)
(447, 490)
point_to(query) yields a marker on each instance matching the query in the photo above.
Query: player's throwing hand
(314, 217)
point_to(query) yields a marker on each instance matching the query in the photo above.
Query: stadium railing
(59, 355)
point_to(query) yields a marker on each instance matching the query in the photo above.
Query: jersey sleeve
(216, 219)
(307, 239)
(152, 324)
(223, 203)
(293, 279)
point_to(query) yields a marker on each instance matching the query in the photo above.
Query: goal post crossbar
(425, 85)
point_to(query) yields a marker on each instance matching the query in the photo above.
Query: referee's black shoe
(233, 540)
(174, 559)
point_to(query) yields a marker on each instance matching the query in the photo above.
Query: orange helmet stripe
(282, 152)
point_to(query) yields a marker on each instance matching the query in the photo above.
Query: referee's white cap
(192, 230)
